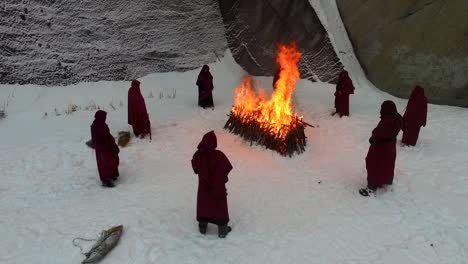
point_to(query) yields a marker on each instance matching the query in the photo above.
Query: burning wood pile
(270, 121)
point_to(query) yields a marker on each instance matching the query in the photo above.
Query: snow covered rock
(62, 42)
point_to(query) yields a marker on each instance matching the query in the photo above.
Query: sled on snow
(106, 242)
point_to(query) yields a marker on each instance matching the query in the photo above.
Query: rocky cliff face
(401, 43)
(254, 28)
(62, 42)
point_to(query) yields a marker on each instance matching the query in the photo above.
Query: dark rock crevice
(255, 28)
(418, 9)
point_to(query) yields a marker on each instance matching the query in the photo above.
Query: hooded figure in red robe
(212, 167)
(344, 88)
(380, 160)
(276, 77)
(137, 115)
(415, 116)
(205, 87)
(107, 151)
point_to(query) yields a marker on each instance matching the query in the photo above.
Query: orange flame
(274, 113)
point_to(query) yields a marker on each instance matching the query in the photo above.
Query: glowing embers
(270, 121)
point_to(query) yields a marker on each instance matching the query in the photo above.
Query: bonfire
(270, 121)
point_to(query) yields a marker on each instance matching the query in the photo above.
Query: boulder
(401, 43)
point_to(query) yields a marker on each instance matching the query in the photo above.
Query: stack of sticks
(288, 140)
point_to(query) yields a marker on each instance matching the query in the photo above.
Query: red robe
(107, 156)
(380, 160)
(137, 115)
(212, 167)
(344, 88)
(205, 87)
(415, 116)
(276, 77)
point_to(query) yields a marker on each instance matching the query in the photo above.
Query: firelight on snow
(271, 121)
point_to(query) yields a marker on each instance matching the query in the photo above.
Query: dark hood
(100, 116)
(136, 84)
(388, 108)
(209, 141)
(417, 91)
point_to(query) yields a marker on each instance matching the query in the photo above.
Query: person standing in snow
(212, 167)
(380, 160)
(137, 114)
(344, 88)
(205, 87)
(415, 116)
(276, 77)
(107, 151)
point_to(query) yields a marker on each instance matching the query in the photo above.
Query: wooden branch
(253, 132)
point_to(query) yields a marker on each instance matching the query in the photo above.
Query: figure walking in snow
(205, 87)
(276, 77)
(212, 167)
(344, 88)
(415, 116)
(107, 151)
(380, 160)
(137, 114)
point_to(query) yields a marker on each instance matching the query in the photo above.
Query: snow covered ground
(304, 209)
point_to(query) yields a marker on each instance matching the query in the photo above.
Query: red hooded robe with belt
(106, 149)
(137, 114)
(205, 87)
(415, 116)
(344, 88)
(380, 160)
(212, 167)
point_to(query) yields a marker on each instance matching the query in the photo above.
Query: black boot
(364, 192)
(202, 226)
(108, 184)
(367, 191)
(223, 230)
